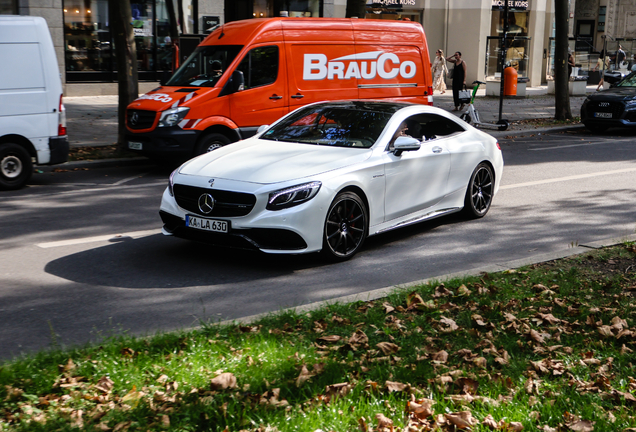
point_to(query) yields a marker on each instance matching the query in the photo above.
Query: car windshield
(351, 125)
(205, 66)
(628, 81)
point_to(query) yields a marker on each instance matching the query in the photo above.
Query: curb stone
(492, 268)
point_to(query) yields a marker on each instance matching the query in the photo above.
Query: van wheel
(15, 166)
(210, 142)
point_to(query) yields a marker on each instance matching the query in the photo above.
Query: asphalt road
(81, 256)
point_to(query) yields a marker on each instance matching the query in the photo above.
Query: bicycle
(471, 115)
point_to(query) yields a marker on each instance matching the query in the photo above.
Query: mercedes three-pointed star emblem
(206, 203)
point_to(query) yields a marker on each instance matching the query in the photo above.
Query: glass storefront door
(88, 40)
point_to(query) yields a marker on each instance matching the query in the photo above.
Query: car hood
(614, 94)
(264, 161)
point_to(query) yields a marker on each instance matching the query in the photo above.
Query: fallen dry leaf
(462, 419)
(226, 380)
(396, 386)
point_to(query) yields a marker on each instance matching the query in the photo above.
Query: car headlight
(171, 182)
(292, 196)
(630, 103)
(172, 116)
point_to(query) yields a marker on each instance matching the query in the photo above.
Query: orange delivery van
(250, 73)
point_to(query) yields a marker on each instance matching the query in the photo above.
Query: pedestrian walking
(439, 71)
(571, 63)
(602, 64)
(459, 78)
(620, 57)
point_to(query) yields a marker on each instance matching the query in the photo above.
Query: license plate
(207, 224)
(135, 145)
(603, 115)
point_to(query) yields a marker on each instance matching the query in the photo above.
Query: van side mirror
(236, 83)
(404, 143)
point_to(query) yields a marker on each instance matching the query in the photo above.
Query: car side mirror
(403, 144)
(261, 128)
(236, 83)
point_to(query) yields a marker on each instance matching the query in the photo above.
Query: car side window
(429, 126)
(260, 66)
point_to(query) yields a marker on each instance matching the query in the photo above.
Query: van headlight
(173, 116)
(292, 196)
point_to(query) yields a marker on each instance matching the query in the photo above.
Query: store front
(88, 41)
(407, 10)
(245, 9)
(518, 39)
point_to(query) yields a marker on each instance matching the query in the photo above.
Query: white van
(32, 116)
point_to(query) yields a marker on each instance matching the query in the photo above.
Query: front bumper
(293, 230)
(165, 143)
(621, 115)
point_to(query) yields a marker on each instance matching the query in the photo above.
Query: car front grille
(226, 203)
(616, 108)
(140, 119)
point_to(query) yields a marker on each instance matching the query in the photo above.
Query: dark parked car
(615, 106)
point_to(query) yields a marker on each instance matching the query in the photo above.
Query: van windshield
(205, 66)
(353, 124)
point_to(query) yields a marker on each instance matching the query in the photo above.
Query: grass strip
(546, 347)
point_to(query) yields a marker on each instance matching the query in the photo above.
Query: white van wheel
(15, 166)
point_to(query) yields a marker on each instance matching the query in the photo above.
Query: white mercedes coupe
(327, 175)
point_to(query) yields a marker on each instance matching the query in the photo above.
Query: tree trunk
(561, 78)
(126, 56)
(356, 8)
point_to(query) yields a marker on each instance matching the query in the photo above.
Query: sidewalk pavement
(92, 120)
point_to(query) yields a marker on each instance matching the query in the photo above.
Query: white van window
(260, 66)
(205, 66)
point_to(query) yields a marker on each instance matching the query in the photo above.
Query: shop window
(8, 7)
(88, 45)
(260, 66)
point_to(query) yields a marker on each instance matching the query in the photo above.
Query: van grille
(227, 203)
(140, 119)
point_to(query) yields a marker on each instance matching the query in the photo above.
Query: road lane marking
(568, 178)
(603, 142)
(126, 180)
(108, 237)
(566, 146)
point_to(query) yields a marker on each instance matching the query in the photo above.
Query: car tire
(346, 227)
(210, 142)
(16, 166)
(596, 128)
(479, 192)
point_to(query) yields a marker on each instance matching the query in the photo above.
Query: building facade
(83, 40)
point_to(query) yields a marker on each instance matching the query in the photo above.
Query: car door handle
(298, 96)
(437, 149)
(275, 97)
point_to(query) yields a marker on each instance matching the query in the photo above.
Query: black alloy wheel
(479, 192)
(211, 142)
(346, 227)
(15, 166)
